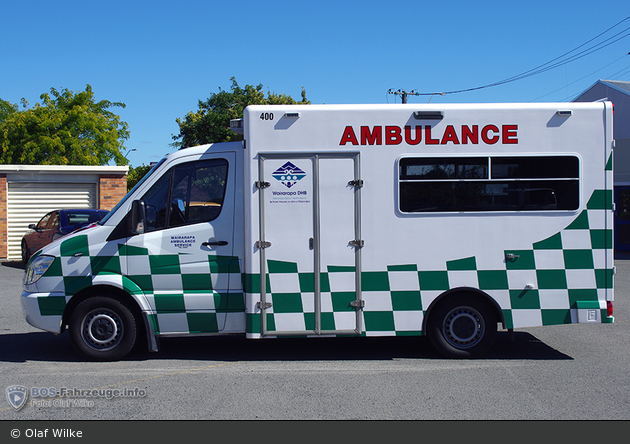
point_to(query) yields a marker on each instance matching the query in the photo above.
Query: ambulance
(447, 220)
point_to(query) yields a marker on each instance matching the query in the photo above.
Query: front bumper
(43, 310)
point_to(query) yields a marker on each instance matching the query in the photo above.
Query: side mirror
(138, 217)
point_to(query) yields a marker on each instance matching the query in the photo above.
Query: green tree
(6, 109)
(65, 129)
(135, 174)
(211, 122)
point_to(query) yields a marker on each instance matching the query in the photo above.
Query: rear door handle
(215, 244)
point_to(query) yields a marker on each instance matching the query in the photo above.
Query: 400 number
(266, 116)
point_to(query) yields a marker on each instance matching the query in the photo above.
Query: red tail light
(609, 308)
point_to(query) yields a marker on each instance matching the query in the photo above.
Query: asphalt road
(571, 372)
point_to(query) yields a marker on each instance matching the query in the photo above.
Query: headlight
(37, 268)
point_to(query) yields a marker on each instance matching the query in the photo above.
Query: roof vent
(236, 125)
(428, 115)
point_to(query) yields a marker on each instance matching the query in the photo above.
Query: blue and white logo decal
(288, 174)
(17, 396)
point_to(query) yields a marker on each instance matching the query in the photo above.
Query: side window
(463, 184)
(155, 203)
(54, 221)
(189, 193)
(41, 225)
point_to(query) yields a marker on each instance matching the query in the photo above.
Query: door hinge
(263, 244)
(358, 243)
(359, 303)
(263, 305)
(261, 184)
(356, 183)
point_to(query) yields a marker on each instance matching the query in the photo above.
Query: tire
(102, 329)
(462, 326)
(25, 253)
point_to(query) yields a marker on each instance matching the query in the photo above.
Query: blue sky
(161, 57)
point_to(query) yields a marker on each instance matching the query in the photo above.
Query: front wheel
(102, 329)
(462, 326)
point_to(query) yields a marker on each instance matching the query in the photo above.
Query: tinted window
(535, 167)
(514, 184)
(444, 168)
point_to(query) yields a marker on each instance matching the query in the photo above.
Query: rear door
(310, 257)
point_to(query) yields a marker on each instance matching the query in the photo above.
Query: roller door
(27, 203)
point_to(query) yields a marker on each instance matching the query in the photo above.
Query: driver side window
(41, 225)
(54, 221)
(189, 193)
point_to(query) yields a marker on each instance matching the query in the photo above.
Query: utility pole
(404, 94)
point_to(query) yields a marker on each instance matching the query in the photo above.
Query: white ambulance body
(353, 220)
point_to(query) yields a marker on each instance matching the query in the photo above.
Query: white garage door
(27, 203)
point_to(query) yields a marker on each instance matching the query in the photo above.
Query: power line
(582, 78)
(620, 73)
(403, 94)
(413, 92)
(554, 63)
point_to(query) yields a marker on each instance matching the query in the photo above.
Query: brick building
(28, 192)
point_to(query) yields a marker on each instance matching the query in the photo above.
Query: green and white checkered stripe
(179, 297)
(543, 285)
(392, 298)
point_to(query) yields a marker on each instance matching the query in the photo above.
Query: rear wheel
(462, 326)
(102, 329)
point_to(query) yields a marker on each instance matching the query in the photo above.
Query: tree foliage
(135, 174)
(211, 122)
(6, 109)
(65, 129)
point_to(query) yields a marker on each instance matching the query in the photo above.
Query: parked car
(57, 224)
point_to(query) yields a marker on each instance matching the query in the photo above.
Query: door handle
(215, 244)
